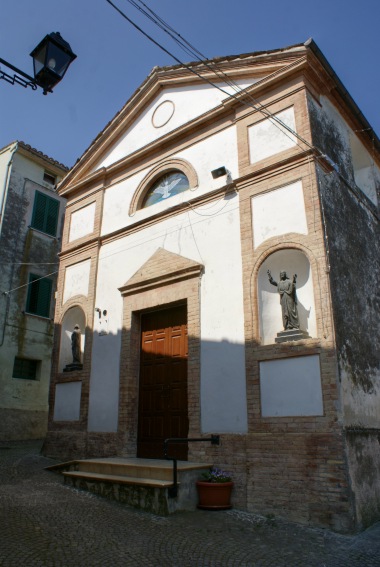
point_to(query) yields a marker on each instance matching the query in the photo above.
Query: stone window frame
(155, 173)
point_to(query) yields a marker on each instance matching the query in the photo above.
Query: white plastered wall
(117, 199)
(291, 387)
(82, 222)
(269, 137)
(210, 235)
(278, 212)
(67, 401)
(188, 102)
(77, 278)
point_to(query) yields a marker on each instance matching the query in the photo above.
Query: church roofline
(156, 73)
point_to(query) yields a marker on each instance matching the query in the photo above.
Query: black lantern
(51, 59)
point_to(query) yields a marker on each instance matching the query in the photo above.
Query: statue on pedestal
(288, 299)
(75, 345)
(76, 364)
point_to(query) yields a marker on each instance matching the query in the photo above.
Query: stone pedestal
(73, 366)
(291, 335)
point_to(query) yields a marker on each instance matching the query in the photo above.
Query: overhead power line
(211, 65)
(242, 94)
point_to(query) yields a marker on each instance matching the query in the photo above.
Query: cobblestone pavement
(44, 523)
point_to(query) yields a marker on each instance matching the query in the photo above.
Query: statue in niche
(75, 350)
(76, 345)
(288, 299)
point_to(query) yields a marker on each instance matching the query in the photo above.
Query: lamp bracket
(25, 81)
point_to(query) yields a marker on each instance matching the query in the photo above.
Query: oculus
(163, 113)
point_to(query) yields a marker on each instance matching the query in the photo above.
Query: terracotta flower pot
(214, 495)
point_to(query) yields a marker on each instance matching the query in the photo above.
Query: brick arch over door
(165, 281)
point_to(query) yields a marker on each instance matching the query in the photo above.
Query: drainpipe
(2, 210)
(7, 299)
(6, 186)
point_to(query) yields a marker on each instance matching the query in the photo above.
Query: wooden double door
(163, 408)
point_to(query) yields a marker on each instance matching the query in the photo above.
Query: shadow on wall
(292, 386)
(222, 391)
(276, 390)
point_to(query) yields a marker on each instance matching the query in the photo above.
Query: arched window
(164, 180)
(169, 184)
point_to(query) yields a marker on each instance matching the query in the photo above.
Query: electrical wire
(211, 65)
(319, 154)
(239, 98)
(163, 234)
(30, 283)
(194, 52)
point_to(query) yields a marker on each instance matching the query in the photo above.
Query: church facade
(219, 271)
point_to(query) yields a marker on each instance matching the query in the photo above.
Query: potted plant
(214, 490)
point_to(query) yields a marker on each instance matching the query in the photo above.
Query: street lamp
(51, 59)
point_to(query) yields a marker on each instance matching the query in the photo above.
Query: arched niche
(74, 316)
(291, 261)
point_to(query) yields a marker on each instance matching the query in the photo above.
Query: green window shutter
(38, 218)
(45, 213)
(39, 295)
(51, 216)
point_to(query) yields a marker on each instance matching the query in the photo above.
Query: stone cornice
(135, 106)
(70, 251)
(166, 279)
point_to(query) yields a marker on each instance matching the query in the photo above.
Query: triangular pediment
(172, 99)
(162, 268)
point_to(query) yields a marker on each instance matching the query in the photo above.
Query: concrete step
(139, 468)
(142, 483)
(118, 479)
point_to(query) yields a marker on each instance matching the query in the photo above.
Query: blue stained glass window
(167, 186)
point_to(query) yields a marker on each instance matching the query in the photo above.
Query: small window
(39, 295)
(25, 369)
(45, 213)
(166, 186)
(49, 178)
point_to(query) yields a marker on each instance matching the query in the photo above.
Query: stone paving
(44, 523)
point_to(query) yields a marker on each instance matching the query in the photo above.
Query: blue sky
(114, 58)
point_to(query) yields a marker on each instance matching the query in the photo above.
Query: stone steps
(118, 479)
(142, 483)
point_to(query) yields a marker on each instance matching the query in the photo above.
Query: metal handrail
(173, 490)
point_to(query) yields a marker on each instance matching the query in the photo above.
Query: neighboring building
(174, 216)
(31, 215)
